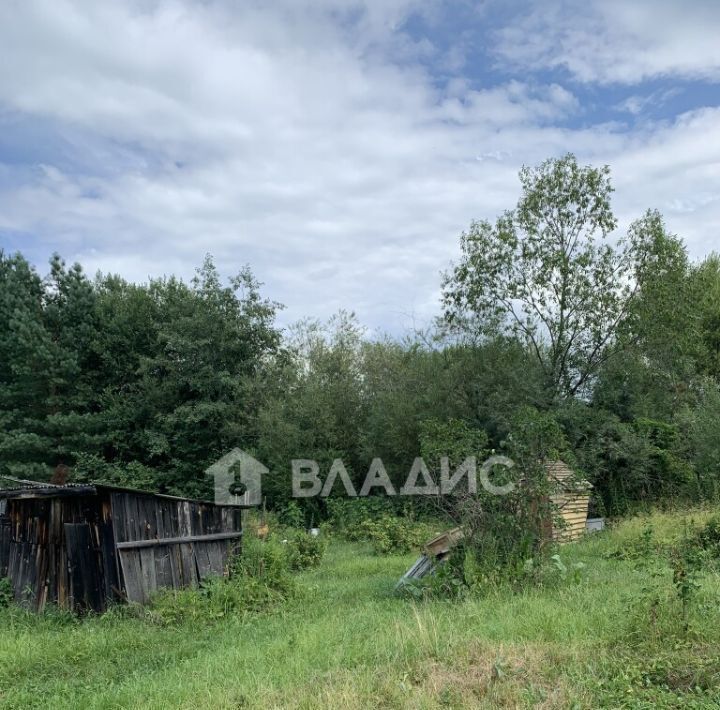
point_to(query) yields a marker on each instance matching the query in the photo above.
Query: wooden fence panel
(170, 544)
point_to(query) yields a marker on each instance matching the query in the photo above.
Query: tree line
(554, 333)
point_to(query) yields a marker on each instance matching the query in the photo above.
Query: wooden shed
(570, 497)
(84, 546)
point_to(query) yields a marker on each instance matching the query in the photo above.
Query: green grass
(347, 642)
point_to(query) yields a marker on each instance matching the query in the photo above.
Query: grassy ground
(348, 642)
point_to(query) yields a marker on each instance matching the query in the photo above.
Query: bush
(346, 515)
(6, 593)
(674, 567)
(292, 515)
(265, 561)
(390, 535)
(259, 580)
(506, 535)
(708, 537)
(304, 550)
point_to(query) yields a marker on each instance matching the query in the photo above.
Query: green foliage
(560, 644)
(263, 560)
(141, 385)
(544, 273)
(6, 592)
(388, 524)
(506, 535)
(260, 580)
(608, 353)
(706, 278)
(315, 406)
(674, 568)
(708, 536)
(700, 431)
(394, 535)
(535, 437)
(346, 515)
(133, 474)
(305, 551)
(292, 515)
(453, 439)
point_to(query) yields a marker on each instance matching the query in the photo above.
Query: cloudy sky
(338, 146)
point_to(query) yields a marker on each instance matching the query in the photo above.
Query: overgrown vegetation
(6, 592)
(304, 550)
(614, 635)
(259, 581)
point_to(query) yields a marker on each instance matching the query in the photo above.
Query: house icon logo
(237, 467)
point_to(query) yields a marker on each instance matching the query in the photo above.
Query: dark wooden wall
(5, 534)
(45, 566)
(82, 551)
(170, 543)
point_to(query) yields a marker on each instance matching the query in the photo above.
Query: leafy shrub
(644, 547)
(708, 537)
(346, 515)
(447, 582)
(6, 593)
(503, 532)
(673, 569)
(304, 550)
(453, 439)
(652, 546)
(265, 561)
(259, 580)
(389, 535)
(292, 515)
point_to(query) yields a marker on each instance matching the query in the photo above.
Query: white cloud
(303, 137)
(639, 103)
(616, 40)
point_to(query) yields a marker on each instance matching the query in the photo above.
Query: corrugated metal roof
(38, 489)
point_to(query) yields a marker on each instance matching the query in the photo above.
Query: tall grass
(346, 641)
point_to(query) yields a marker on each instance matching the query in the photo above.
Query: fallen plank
(436, 552)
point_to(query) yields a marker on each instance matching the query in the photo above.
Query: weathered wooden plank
(5, 537)
(189, 565)
(132, 576)
(109, 561)
(149, 577)
(52, 574)
(202, 558)
(139, 544)
(135, 528)
(176, 566)
(184, 519)
(41, 583)
(219, 556)
(85, 586)
(147, 506)
(163, 568)
(444, 543)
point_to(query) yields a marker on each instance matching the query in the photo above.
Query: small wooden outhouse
(570, 497)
